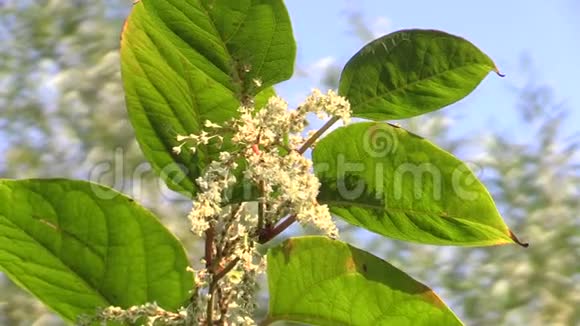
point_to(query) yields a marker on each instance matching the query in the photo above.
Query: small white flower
(181, 138)
(177, 149)
(209, 124)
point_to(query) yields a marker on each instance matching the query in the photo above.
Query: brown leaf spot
(350, 265)
(287, 249)
(46, 222)
(125, 26)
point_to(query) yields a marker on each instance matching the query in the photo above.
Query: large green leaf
(187, 61)
(412, 72)
(78, 246)
(400, 185)
(327, 282)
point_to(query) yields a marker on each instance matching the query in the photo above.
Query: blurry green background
(62, 114)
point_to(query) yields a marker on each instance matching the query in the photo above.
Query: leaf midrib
(409, 85)
(347, 205)
(69, 268)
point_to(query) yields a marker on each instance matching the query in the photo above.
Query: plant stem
(212, 288)
(261, 204)
(317, 135)
(209, 238)
(225, 270)
(209, 311)
(271, 234)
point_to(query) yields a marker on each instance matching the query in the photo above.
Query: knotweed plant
(269, 142)
(198, 77)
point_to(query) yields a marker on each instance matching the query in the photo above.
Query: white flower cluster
(153, 314)
(202, 138)
(265, 142)
(267, 139)
(330, 104)
(230, 233)
(288, 184)
(240, 287)
(207, 205)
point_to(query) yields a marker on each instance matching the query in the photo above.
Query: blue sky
(545, 31)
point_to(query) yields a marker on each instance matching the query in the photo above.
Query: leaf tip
(499, 73)
(518, 241)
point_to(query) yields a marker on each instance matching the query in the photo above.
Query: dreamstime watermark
(380, 141)
(375, 174)
(139, 180)
(404, 181)
(134, 180)
(388, 171)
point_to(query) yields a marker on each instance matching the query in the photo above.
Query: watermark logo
(136, 181)
(380, 141)
(380, 178)
(464, 178)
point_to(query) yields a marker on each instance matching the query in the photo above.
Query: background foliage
(61, 106)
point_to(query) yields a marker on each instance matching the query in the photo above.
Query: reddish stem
(272, 233)
(209, 238)
(317, 135)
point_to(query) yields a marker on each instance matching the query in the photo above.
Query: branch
(226, 269)
(317, 135)
(209, 238)
(209, 311)
(272, 233)
(261, 207)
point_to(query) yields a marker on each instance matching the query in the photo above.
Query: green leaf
(412, 72)
(185, 62)
(397, 184)
(262, 99)
(78, 246)
(321, 281)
